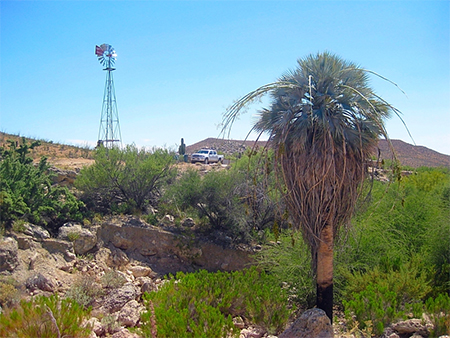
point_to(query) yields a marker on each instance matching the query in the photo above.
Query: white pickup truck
(206, 156)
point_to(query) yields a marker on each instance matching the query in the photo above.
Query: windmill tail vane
(98, 51)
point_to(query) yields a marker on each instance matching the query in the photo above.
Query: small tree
(130, 177)
(26, 191)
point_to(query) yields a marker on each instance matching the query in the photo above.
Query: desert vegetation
(392, 263)
(127, 180)
(206, 303)
(26, 193)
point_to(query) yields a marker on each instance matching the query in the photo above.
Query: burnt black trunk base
(325, 300)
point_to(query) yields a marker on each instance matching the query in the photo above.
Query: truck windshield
(202, 151)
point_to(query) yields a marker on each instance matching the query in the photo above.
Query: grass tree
(324, 122)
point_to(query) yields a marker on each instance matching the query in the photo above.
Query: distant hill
(414, 156)
(407, 154)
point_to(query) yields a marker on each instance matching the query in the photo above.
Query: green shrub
(384, 296)
(112, 280)
(151, 219)
(9, 293)
(289, 258)
(239, 203)
(45, 317)
(409, 281)
(97, 219)
(26, 192)
(438, 310)
(125, 181)
(18, 225)
(196, 320)
(375, 304)
(110, 323)
(73, 236)
(202, 304)
(409, 215)
(402, 221)
(84, 290)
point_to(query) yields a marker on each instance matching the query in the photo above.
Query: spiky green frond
(324, 122)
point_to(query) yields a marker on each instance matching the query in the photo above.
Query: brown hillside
(414, 156)
(60, 155)
(407, 154)
(227, 147)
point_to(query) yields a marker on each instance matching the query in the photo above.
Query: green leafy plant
(9, 292)
(202, 304)
(26, 192)
(287, 256)
(127, 180)
(401, 223)
(439, 312)
(45, 317)
(73, 236)
(151, 219)
(409, 281)
(375, 303)
(384, 296)
(110, 323)
(18, 225)
(236, 202)
(112, 280)
(84, 290)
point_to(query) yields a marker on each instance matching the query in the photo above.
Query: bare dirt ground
(70, 163)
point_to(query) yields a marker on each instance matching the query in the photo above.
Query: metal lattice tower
(109, 131)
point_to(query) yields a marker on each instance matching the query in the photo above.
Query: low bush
(289, 258)
(84, 290)
(9, 292)
(109, 322)
(376, 305)
(45, 317)
(381, 297)
(125, 181)
(26, 192)
(112, 280)
(240, 203)
(410, 281)
(203, 304)
(438, 310)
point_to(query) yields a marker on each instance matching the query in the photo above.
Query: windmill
(109, 131)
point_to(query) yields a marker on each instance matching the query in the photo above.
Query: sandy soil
(70, 163)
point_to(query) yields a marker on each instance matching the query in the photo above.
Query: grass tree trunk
(325, 272)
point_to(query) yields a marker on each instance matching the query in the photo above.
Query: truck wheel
(206, 161)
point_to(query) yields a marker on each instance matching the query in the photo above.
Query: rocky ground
(121, 258)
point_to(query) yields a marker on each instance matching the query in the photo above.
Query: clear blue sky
(182, 63)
